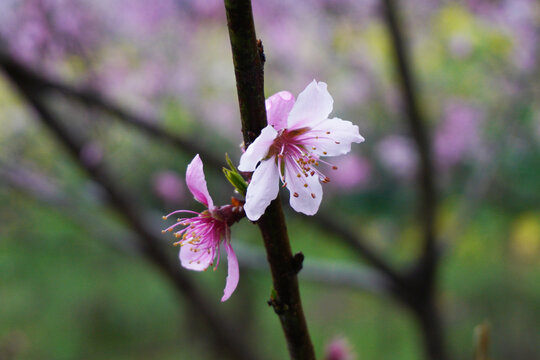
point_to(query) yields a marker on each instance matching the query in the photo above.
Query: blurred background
(74, 286)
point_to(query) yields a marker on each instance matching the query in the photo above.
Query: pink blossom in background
(398, 155)
(339, 349)
(353, 172)
(290, 148)
(169, 187)
(202, 235)
(457, 135)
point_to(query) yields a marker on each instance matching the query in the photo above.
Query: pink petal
(278, 107)
(258, 149)
(262, 190)
(333, 137)
(196, 182)
(233, 272)
(303, 199)
(196, 260)
(313, 105)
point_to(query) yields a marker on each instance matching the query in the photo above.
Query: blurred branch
(223, 333)
(248, 67)
(421, 296)
(417, 125)
(354, 241)
(92, 98)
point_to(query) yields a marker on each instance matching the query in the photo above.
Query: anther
(295, 194)
(314, 148)
(298, 175)
(328, 133)
(305, 185)
(337, 142)
(324, 153)
(164, 217)
(313, 195)
(334, 167)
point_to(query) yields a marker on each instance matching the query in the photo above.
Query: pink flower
(339, 349)
(290, 147)
(202, 235)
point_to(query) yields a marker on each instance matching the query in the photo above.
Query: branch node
(297, 262)
(260, 50)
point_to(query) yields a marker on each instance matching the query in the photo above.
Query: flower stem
(248, 61)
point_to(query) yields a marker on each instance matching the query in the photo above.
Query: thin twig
(248, 68)
(223, 333)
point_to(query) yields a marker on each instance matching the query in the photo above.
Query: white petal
(333, 137)
(313, 105)
(195, 259)
(262, 189)
(258, 149)
(304, 199)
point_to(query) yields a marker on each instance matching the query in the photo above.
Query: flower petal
(278, 107)
(332, 137)
(262, 190)
(196, 182)
(258, 149)
(196, 259)
(313, 105)
(233, 272)
(304, 199)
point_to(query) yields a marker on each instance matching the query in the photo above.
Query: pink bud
(338, 349)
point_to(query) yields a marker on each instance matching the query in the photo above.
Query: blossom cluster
(290, 149)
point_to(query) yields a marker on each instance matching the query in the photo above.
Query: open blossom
(290, 147)
(202, 235)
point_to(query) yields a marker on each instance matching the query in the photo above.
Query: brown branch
(223, 333)
(248, 68)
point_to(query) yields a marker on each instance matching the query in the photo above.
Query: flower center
(294, 157)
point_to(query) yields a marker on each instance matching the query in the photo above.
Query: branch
(416, 122)
(421, 293)
(248, 68)
(92, 98)
(223, 333)
(359, 245)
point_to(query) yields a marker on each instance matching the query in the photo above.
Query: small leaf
(234, 177)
